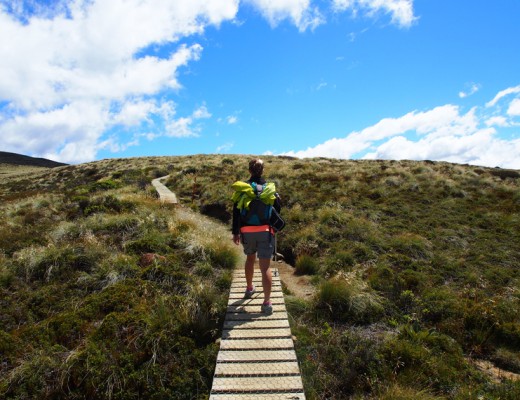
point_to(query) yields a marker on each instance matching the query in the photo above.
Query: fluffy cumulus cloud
(444, 133)
(73, 71)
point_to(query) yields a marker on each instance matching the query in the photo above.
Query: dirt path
(299, 286)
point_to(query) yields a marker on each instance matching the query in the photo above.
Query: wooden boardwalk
(165, 194)
(256, 358)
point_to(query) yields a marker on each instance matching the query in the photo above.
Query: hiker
(252, 228)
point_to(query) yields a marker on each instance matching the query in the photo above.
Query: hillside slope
(415, 266)
(19, 159)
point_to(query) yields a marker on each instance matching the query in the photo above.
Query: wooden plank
(240, 285)
(254, 301)
(241, 273)
(249, 344)
(257, 369)
(253, 308)
(256, 279)
(239, 294)
(256, 333)
(247, 384)
(256, 355)
(256, 324)
(257, 315)
(258, 396)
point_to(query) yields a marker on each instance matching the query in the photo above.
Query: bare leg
(250, 269)
(267, 278)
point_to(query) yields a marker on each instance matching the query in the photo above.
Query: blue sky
(378, 79)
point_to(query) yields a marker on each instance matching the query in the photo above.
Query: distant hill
(19, 159)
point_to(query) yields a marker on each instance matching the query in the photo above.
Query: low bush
(223, 257)
(306, 265)
(150, 242)
(349, 300)
(338, 261)
(507, 359)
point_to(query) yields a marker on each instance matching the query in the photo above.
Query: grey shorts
(261, 243)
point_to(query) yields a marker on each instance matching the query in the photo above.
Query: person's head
(256, 167)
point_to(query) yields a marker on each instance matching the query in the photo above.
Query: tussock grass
(346, 297)
(416, 263)
(81, 315)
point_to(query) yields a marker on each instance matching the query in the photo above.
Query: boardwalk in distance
(165, 194)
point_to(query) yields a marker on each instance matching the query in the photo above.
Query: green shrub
(507, 390)
(201, 312)
(223, 257)
(508, 334)
(398, 392)
(66, 329)
(349, 300)
(8, 343)
(340, 260)
(107, 184)
(84, 206)
(15, 238)
(306, 265)
(57, 263)
(412, 245)
(381, 278)
(338, 363)
(507, 359)
(203, 269)
(6, 276)
(426, 359)
(227, 161)
(297, 307)
(150, 242)
(223, 282)
(38, 376)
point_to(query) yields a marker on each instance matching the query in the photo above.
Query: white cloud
(498, 121)
(478, 148)
(502, 94)
(135, 112)
(514, 108)
(186, 126)
(321, 85)
(401, 11)
(299, 12)
(225, 148)
(472, 89)
(69, 133)
(232, 119)
(71, 70)
(201, 113)
(443, 133)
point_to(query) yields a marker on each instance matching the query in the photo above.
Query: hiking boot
(249, 293)
(267, 308)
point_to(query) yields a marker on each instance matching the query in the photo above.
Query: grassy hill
(19, 159)
(105, 293)
(13, 166)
